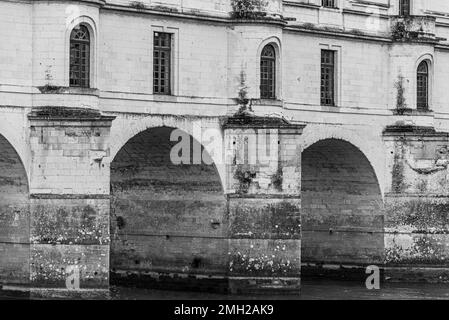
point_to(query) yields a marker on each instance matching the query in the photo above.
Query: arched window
(79, 57)
(422, 89)
(268, 73)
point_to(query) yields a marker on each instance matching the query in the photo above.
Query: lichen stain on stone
(264, 264)
(49, 267)
(278, 220)
(416, 249)
(74, 225)
(398, 178)
(419, 216)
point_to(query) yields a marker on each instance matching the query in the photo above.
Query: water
(311, 290)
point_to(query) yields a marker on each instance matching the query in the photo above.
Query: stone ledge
(61, 113)
(49, 89)
(69, 196)
(398, 129)
(249, 121)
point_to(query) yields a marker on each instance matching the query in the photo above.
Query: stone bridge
(98, 195)
(107, 179)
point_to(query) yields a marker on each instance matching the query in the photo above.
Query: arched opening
(168, 221)
(422, 86)
(14, 217)
(80, 57)
(268, 72)
(342, 212)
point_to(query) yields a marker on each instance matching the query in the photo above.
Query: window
(327, 77)
(162, 63)
(268, 73)
(423, 86)
(79, 57)
(404, 7)
(329, 3)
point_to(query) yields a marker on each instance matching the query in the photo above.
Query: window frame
(331, 101)
(405, 9)
(168, 50)
(271, 62)
(86, 46)
(331, 4)
(423, 89)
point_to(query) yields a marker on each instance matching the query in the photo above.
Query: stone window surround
(430, 63)
(338, 73)
(174, 81)
(91, 26)
(276, 43)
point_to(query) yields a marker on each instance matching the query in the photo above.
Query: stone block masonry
(69, 208)
(264, 218)
(416, 217)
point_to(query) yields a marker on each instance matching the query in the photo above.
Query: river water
(311, 290)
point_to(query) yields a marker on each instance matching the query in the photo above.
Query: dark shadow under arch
(168, 221)
(342, 210)
(14, 217)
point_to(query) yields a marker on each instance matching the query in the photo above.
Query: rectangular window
(162, 63)
(327, 77)
(329, 3)
(404, 7)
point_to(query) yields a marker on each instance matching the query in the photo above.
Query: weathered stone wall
(69, 199)
(169, 220)
(416, 221)
(14, 217)
(263, 186)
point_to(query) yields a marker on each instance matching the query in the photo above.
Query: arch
(166, 217)
(342, 207)
(14, 216)
(10, 156)
(374, 151)
(275, 43)
(9, 129)
(126, 127)
(91, 26)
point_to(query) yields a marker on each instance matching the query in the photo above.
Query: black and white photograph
(224, 155)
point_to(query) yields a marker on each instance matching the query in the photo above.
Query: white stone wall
(209, 53)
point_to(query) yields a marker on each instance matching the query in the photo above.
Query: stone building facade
(352, 92)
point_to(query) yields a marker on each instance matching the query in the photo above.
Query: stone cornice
(54, 113)
(194, 16)
(338, 33)
(99, 3)
(412, 130)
